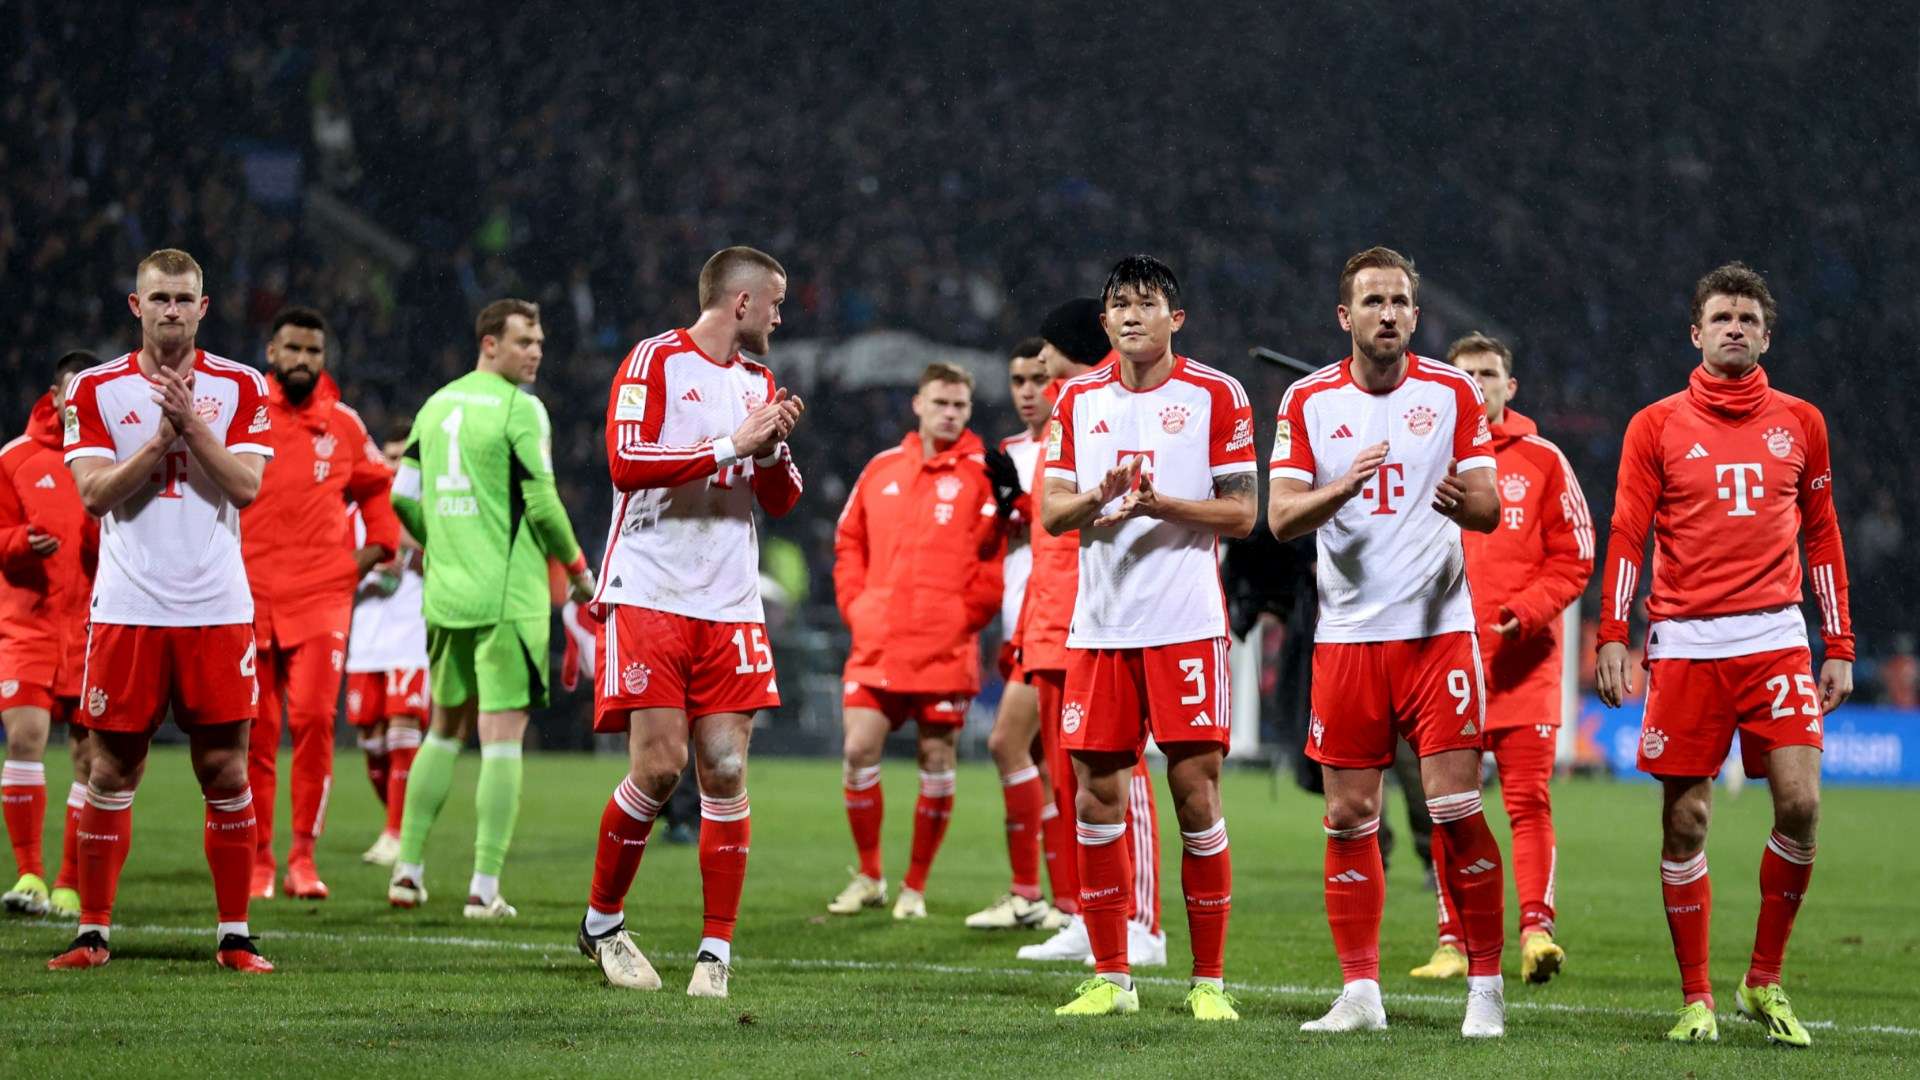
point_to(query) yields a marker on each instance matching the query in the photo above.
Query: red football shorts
(1115, 698)
(20, 694)
(1368, 694)
(1694, 707)
(657, 660)
(374, 696)
(206, 673)
(939, 710)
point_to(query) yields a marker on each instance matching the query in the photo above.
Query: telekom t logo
(1386, 485)
(1742, 487)
(1514, 516)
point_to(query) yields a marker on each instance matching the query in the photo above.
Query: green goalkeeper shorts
(504, 665)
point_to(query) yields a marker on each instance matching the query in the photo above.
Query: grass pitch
(426, 993)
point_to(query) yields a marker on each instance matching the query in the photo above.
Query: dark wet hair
(1143, 274)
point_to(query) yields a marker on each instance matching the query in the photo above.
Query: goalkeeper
(476, 488)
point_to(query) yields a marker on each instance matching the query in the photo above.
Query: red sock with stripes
(1448, 913)
(624, 826)
(378, 764)
(1105, 876)
(104, 836)
(69, 845)
(1063, 863)
(229, 849)
(1143, 845)
(726, 826)
(931, 814)
(1025, 797)
(1479, 883)
(1785, 869)
(23, 802)
(402, 745)
(1688, 892)
(1206, 877)
(1356, 893)
(866, 809)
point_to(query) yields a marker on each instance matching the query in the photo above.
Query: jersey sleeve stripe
(1055, 472)
(1484, 461)
(79, 452)
(1232, 467)
(1325, 377)
(1577, 503)
(1288, 472)
(251, 448)
(1239, 392)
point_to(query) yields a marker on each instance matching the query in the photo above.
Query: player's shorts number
(1781, 688)
(762, 659)
(247, 669)
(1462, 692)
(1195, 672)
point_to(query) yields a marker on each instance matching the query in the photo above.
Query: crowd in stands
(956, 169)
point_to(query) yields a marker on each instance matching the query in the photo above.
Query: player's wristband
(579, 564)
(723, 452)
(771, 456)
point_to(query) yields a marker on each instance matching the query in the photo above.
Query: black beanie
(1074, 328)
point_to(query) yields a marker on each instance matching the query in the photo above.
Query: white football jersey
(1024, 449)
(1145, 581)
(389, 632)
(1391, 568)
(682, 538)
(170, 552)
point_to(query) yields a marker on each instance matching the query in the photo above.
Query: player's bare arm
(1468, 500)
(1066, 508)
(1231, 512)
(237, 475)
(1296, 508)
(106, 484)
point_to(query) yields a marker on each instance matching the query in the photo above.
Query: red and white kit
(679, 597)
(1727, 473)
(43, 620)
(387, 671)
(1146, 650)
(1395, 653)
(1391, 571)
(1534, 564)
(1024, 449)
(682, 544)
(172, 613)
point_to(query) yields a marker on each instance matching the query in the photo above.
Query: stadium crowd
(930, 170)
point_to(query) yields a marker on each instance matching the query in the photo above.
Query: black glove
(1004, 475)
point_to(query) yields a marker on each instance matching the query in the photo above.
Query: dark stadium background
(952, 170)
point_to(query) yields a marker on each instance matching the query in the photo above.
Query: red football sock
(1104, 875)
(69, 845)
(1523, 789)
(725, 829)
(229, 848)
(263, 753)
(1448, 914)
(104, 836)
(1063, 866)
(1688, 892)
(402, 745)
(23, 800)
(930, 817)
(1785, 869)
(312, 778)
(1143, 844)
(1025, 797)
(1206, 877)
(378, 764)
(624, 826)
(1356, 892)
(1479, 884)
(866, 808)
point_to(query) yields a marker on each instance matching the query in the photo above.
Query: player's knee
(1090, 806)
(1796, 814)
(1352, 811)
(1000, 747)
(723, 774)
(1685, 828)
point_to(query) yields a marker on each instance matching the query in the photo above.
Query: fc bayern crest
(1779, 442)
(323, 445)
(9, 688)
(1420, 420)
(753, 399)
(1319, 731)
(96, 701)
(1070, 717)
(948, 488)
(354, 699)
(1653, 743)
(1173, 419)
(634, 677)
(1513, 487)
(207, 408)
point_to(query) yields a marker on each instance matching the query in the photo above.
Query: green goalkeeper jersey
(476, 488)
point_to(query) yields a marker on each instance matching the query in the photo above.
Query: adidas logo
(1341, 432)
(1698, 451)
(132, 417)
(1468, 730)
(1480, 866)
(1099, 428)
(1349, 877)
(1814, 725)
(44, 482)
(892, 488)
(1203, 720)
(691, 395)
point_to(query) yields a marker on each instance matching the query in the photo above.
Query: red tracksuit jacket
(43, 601)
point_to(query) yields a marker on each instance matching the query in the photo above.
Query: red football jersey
(1727, 473)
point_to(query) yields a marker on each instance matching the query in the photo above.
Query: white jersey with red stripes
(389, 630)
(682, 539)
(170, 552)
(1024, 449)
(1146, 581)
(1391, 568)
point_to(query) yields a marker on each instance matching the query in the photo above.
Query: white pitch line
(801, 963)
